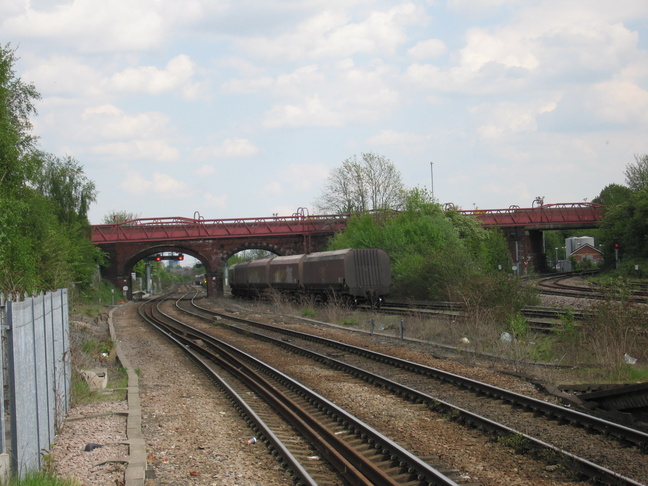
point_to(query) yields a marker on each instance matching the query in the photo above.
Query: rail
(353, 463)
(545, 215)
(178, 228)
(181, 228)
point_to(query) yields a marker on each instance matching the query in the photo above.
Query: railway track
(540, 319)
(624, 447)
(564, 285)
(297, 424)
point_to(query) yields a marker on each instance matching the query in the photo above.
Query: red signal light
(158, 258)
(180, 256)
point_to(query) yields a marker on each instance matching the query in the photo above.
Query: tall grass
(42, 478)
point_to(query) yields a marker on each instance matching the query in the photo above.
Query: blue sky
(241, 108)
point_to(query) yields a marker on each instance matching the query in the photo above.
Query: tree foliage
(44, 201)
(67, 187)
(626, 218)
(370, 182)
(434, 254)
(637, 174)
(119, 217)
(16, 106)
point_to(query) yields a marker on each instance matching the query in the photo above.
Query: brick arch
(272, 248)
(213, 253)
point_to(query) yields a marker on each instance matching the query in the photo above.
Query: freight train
(357, 275)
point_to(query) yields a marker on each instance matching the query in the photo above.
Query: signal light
(180, 256)
(158, 258)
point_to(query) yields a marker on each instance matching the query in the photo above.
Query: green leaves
(44, 201)
(434, 254)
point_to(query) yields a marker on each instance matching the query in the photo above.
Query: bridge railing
(179, 228)
(187, 228)
(545, 215)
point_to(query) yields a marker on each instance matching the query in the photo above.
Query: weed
(518, 325)
(97, 348)
(307, 312)
(569, 330)
(42, 478)
(516, 441)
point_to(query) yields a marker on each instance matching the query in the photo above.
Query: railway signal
(159, 258)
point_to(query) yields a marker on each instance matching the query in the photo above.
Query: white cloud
(205, 170)
(111, 131)
(160, 185)
(621, 102)
(215, 202)
(66, 75)
(150, 80)
(506, 119)
(346, 94)
(158, 150)
(304, 177)
(393, 137)
(273, 187)
(333, 34)
(427, 49)
(229, 148)
(108, 25)
(311, 111)
(111, 122)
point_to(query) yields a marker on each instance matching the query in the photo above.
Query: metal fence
(37, 369)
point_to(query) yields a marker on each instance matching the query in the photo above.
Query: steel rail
(292, 463)
(528, 442)
(346, 458)
(619, 431)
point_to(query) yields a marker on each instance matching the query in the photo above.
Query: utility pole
(432, 179)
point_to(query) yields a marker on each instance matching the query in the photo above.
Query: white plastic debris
(506, 337)
(629, 359)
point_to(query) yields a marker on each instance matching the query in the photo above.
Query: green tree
(44, 241)
(370, 182)
(434, 254)
(626, 217)
(119, 217)
(637, 174)
(16, 143)
(613, 195)
(66, 185)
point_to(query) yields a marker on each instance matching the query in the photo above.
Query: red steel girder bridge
(546, 217)
(214, 241)
(542, 217)
(177, 229)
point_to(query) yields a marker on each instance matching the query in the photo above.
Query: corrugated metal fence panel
(22, 387)
(3, 371)
(62, 356)
(39, 375)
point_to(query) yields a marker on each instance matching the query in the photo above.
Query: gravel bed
(194, 437)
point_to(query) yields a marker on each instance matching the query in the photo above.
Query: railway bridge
(212, 242)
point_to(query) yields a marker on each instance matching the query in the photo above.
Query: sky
(241, 108)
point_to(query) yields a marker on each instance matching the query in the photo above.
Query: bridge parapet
(547, 216)
(178, 228)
